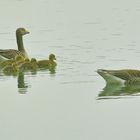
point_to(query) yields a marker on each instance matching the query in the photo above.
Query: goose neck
(20, 42)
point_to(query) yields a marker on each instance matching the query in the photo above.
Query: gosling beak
(54, 58)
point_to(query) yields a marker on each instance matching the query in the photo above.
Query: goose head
(52, 57)
(22, 31)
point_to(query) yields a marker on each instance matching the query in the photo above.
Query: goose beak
(27, 32)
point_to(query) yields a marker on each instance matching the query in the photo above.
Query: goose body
(47, 63)
(11, 53)
(120, 76)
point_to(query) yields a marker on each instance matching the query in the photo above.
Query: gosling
(47, 63)
(11, 69)
(29, 65)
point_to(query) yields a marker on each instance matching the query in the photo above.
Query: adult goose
(120, 76)
(11, 53)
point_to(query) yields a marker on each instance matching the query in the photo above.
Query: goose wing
(124, 74)
(10, 53)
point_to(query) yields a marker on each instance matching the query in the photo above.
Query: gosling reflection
(52, 69)
(131, 88)
(22, 85)
(20, 66)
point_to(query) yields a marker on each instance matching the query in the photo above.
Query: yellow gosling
(18, 59)
(29, 64)
(34, 64)
(6, 63)
(47, 63)
(11, 69)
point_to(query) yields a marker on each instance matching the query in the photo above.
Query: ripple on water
(118, 60)
(92, 23)
(101, 56)
(116, 34)
(78, 82)
(4, 33)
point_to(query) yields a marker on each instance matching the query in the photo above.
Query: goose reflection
(22, 85)
(112, 90)
(22, 82)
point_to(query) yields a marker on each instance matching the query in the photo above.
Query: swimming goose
(18, 59)
(34, 64)
(11, 69)
(47, 63)
(11, 53)
(120, 76)
(29, 64)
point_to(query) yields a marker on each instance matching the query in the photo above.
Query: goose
(24, 64)
(29, 64)
(123, 76)
(11, 53)
(115, 91)
(11, 69)
(22, 85)
(34, 64)
(18, 59)
(47, 63)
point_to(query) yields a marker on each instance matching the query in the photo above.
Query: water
(85, 36)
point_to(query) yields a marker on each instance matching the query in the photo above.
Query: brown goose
(11, 53)
(117, 76)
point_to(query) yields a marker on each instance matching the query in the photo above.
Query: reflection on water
(22, 83)
(86, 35)
(118, 90)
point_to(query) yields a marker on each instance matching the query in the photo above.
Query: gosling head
(22, 31)
(19, 58)
(27, 60)
(33, 60)
(52, 57)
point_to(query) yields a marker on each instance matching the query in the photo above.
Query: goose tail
(109, 77)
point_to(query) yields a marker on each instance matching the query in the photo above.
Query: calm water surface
(85, 36)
